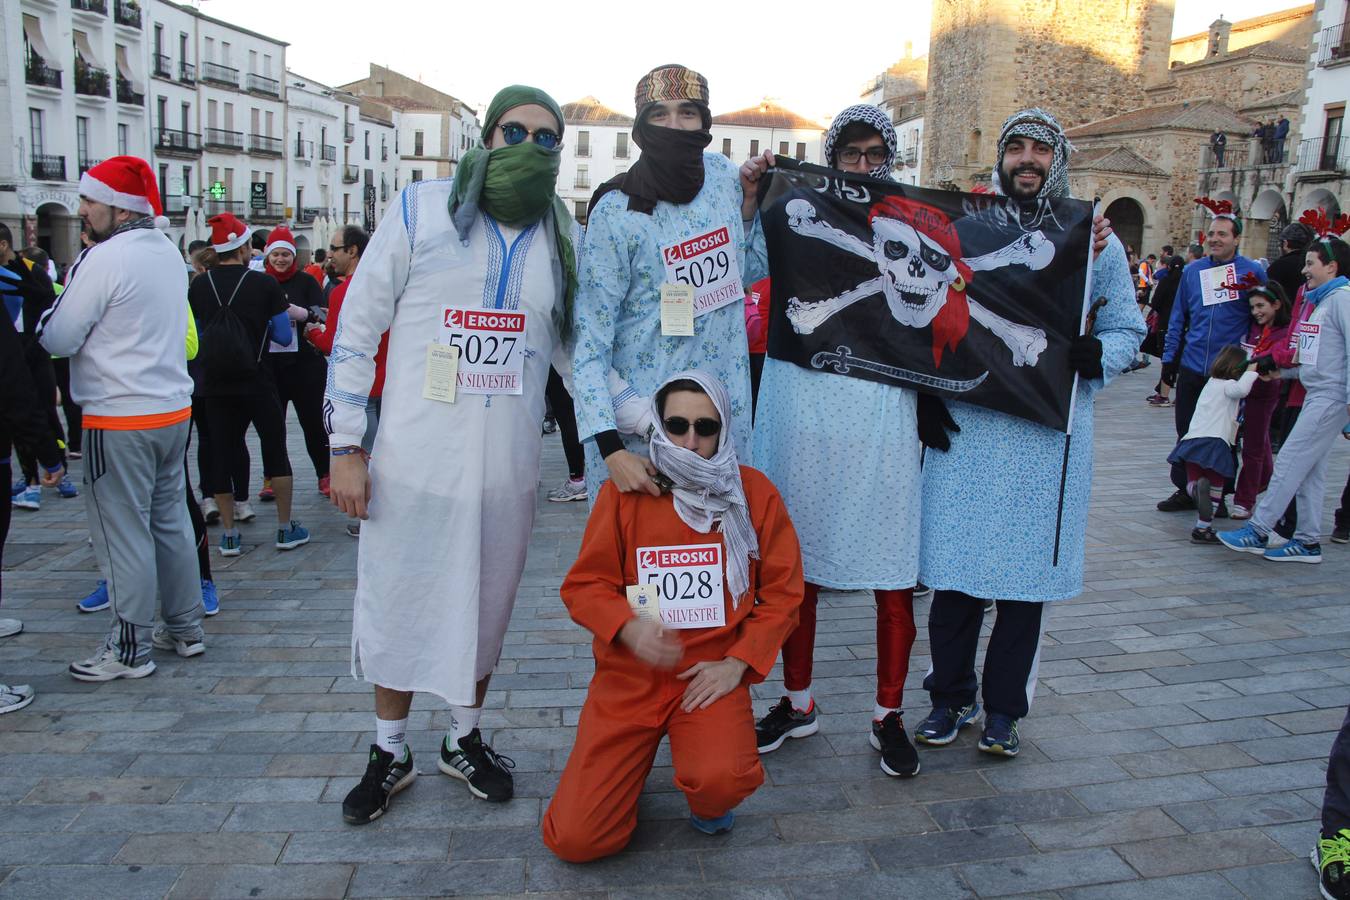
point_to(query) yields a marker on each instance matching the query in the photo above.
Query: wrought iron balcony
(219, 137)
(1333, 46)
(328, 153)
(170, 141)
(176, 207)
(348, 132)
(87, 164)
(1324, 155)
(39, 73)
(260, 143)
(90, 81)
(90, 6)
(218, 74)
(127, 94)
(126, 12)
(304, 149)
(350, 174)
(261, 84)
(49, 168)
(187, 73)
(384, 154)
(910, 156)
(271, 212)
(214, 207)
(308, 214)
(163, 65)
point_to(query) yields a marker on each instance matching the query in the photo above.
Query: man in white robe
(473, 281)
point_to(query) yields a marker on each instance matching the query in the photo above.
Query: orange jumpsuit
(631, 706)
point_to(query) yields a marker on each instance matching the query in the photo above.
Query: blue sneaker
(1295, 551)
(231, 544)
(719, 825)
(210, 599)
(944, 723)
(28, 498)
(18, 487)
(1000, 735)
(293, 536)
(97, 599)
(67, 488)
(1244, 540)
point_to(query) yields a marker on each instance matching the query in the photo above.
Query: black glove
(1170, 370)
(1085, 356)
(936, 424)
(1265, 365)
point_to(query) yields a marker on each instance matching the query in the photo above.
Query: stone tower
(1081, 60)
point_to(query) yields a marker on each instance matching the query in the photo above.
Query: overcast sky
(800, 54)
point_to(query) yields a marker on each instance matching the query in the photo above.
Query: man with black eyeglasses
(473, 282)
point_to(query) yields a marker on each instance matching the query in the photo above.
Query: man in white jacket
(122, 321)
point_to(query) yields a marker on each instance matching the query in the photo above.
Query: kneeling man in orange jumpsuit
(715, 540)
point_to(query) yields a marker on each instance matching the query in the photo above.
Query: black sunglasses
(513, 133)
(678, 425)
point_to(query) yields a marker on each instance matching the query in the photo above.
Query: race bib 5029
(708, 264)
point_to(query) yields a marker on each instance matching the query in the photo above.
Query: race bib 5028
(688, 578)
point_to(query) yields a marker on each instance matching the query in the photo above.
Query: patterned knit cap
(873, 117)
(670, 82)
(1038, 125)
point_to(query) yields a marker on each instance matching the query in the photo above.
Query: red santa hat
(279, 238)
(126, 182)
(228, 233)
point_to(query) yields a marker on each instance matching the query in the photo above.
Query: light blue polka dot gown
(989, 503)
(618, 309)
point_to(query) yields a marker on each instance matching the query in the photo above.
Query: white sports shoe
(243, 511)
(10, 627)
(210, 511)
(14, 696)
(163, 640)
(568, 491)
(105, 666)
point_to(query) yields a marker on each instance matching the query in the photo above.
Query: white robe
(452, 485)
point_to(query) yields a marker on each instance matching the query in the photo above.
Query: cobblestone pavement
(1176, 747)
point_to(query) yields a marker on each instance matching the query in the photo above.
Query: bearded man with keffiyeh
(472, 279)
(677, 218)
(991, 501)
(719, 547)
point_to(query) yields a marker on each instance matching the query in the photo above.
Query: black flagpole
(1086, 325)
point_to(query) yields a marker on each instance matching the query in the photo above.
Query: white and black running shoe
(782, 722)
(384, 778)
(898, 756)
(486, 772)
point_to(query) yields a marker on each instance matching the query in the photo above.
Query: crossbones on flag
(968, 296)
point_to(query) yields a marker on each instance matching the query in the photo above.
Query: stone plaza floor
(1176, 748)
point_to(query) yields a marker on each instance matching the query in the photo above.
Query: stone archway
(1324, 199)
(1127, 221)
(303, 254)
(56, 231)
(1266, 218)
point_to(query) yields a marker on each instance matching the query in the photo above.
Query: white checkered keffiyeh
(875, 118)
(1039, 125)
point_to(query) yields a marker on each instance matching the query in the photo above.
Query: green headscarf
(517, 185)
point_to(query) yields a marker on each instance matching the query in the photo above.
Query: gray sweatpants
(1301, 469)
(142, 534)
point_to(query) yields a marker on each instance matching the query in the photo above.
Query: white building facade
(597, 145)
(217, 117)
(1322, 155)
(74, 94)
(749, 132)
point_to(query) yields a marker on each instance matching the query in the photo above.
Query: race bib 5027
(491, 344)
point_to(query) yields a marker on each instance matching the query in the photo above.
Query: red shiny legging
(1258, 463)
(895, 638)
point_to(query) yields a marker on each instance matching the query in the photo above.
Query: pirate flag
(974, 297)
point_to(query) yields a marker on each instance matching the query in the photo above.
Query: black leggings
(302, 381)
(207, 450)
(565, 415)
(44, 380)
(227, 420)
(74, 415)
(4, 516)
(198, 522)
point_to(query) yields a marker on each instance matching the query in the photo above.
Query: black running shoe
(944, 723)
(1221, 511)
(1180, 501)
(479, 766)
(383, 779)
(782, 722)
(898, 756)
(1204, 536)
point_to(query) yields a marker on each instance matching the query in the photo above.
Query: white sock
(880, 712)
(463, 719)
(801, 700)
(390, 736)
(571, 480)
(1201, 524)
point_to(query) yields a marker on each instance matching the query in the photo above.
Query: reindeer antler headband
(1221, 209)
(1323, 225)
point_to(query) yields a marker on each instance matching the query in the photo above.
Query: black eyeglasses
(679, 425)
(332, 249)
(850, 155)
(514, 133)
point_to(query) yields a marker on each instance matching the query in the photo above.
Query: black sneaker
(944, 723)
(1340, 534)
(1331, 859)
(785, 721)
(1180, 501)
(1204, 536)
(1000, 735)
(1221, 511)
(383, 779)
(479, 766)
(898, 756)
